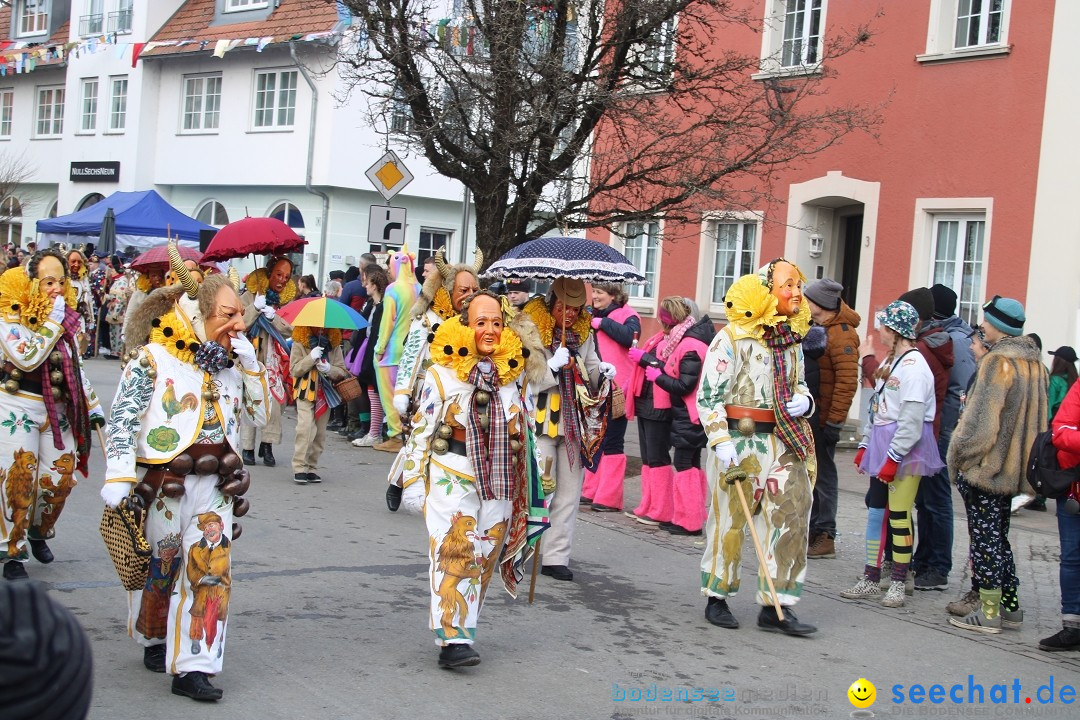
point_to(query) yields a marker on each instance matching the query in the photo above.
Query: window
(7, 107)
(93, 22)
(120, 21)
(654, 60)
(734, 255)
(978, 22)
(88, 122)
(959, 248)
(10, 221)
(960, 29)
(91, 199)
(275, 98)
(235, 5)
(430, 241)
(287, 213)
(118, 103)
(33, 16)
(802, 33)
(642, 249)
(213, 213)
(202, 103)
(50, 112)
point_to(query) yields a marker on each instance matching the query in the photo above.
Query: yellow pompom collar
(258, 282)
(538, 312)
(454, 347)
(442, 305)
(173, 332)
(143, 283)
(302, 333)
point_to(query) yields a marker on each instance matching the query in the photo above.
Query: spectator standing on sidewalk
(1062, 376)
(1066, 427)
(1005, 410)
(932, 561)
(617, 327)
(839, 372)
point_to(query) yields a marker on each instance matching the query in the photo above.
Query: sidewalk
(1034, 540)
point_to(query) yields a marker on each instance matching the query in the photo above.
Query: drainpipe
(311, 161)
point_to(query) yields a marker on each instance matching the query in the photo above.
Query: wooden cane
(536, 565)
(101, 441)
(738, 476)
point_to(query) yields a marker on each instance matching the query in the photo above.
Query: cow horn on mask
(234, 278)
(478, 261)
(440, 264)
(176, 264)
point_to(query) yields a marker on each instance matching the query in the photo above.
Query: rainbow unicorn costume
(394, 328)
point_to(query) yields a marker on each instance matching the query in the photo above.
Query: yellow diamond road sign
(389, 175)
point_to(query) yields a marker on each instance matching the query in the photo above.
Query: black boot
(790, 625)
(718, 613)
(41, 551)
(266, 452)
(153, 658)
(458, 655)
(14, 570)
(248, 456)
(337, 419)
(393, 497)
(196, 686)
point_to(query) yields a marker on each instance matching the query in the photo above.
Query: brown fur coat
(1006, 408)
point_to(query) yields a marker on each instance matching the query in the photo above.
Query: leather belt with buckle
(749, 421)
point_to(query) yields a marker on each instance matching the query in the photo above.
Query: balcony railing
(120, 21)
(91, 24)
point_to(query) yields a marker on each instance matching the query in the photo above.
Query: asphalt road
(328, 620)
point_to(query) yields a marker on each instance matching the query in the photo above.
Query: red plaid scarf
(794, 432)
(77, 411)
(567, 381)
(489, 449)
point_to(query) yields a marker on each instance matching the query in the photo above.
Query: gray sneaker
(1012, 619)
(978, 622)
(894, 598)
(931, 580)
(886, 574)
(865, 588)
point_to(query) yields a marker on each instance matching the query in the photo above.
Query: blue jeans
(1069, 533)
(934, 520)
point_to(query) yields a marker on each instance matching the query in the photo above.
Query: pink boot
(592, 479)
(690, 510)
(646, 491)
(609, 485)
(661, 509)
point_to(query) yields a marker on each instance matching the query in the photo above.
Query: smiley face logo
(862, 693)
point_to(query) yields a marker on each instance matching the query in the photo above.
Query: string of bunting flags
(19, 57)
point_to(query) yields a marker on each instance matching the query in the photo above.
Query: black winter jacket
(685, 433)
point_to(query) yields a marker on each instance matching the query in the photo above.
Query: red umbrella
(159, 256)
(252, 235)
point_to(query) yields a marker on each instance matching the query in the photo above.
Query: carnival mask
(486, 322)
(465, 286)
(50, 276)
(787, 286)
(280, 274)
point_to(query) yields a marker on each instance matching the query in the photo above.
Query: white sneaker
(366, 441)
(865, 588)
(894, 598)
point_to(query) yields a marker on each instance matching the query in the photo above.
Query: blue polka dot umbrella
(548, 258)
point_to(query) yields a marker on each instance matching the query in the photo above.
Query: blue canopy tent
(143, 221)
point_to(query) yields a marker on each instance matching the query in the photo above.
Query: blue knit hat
(1006, 314)
(901, 317)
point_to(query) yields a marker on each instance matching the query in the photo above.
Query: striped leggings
(892, 501)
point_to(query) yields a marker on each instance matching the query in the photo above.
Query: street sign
(389, 175)
(386, 225)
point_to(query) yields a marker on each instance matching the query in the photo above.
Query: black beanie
(46, 670)
(944, 301)
(922, 300)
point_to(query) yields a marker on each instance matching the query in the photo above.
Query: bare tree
(15, 171)
(569, 115)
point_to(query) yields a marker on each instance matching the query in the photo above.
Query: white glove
(59, 310)
(322, 366)
(725, 452)
(559, 359)
(798, 405)
(268, 312)
(112, 493)
(607, 370)
(245, 352)
(316, 353)
(401, 404)
(412, 498)
(259, 302)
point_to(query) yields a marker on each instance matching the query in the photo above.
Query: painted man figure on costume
(268, 289)
(753, 402)
(49, 406)
(470, 464)
(173, 436)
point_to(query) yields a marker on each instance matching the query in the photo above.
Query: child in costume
(316, 363)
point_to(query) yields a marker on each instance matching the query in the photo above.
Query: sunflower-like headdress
(258, 281)
(537, 311)
(454, 347)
